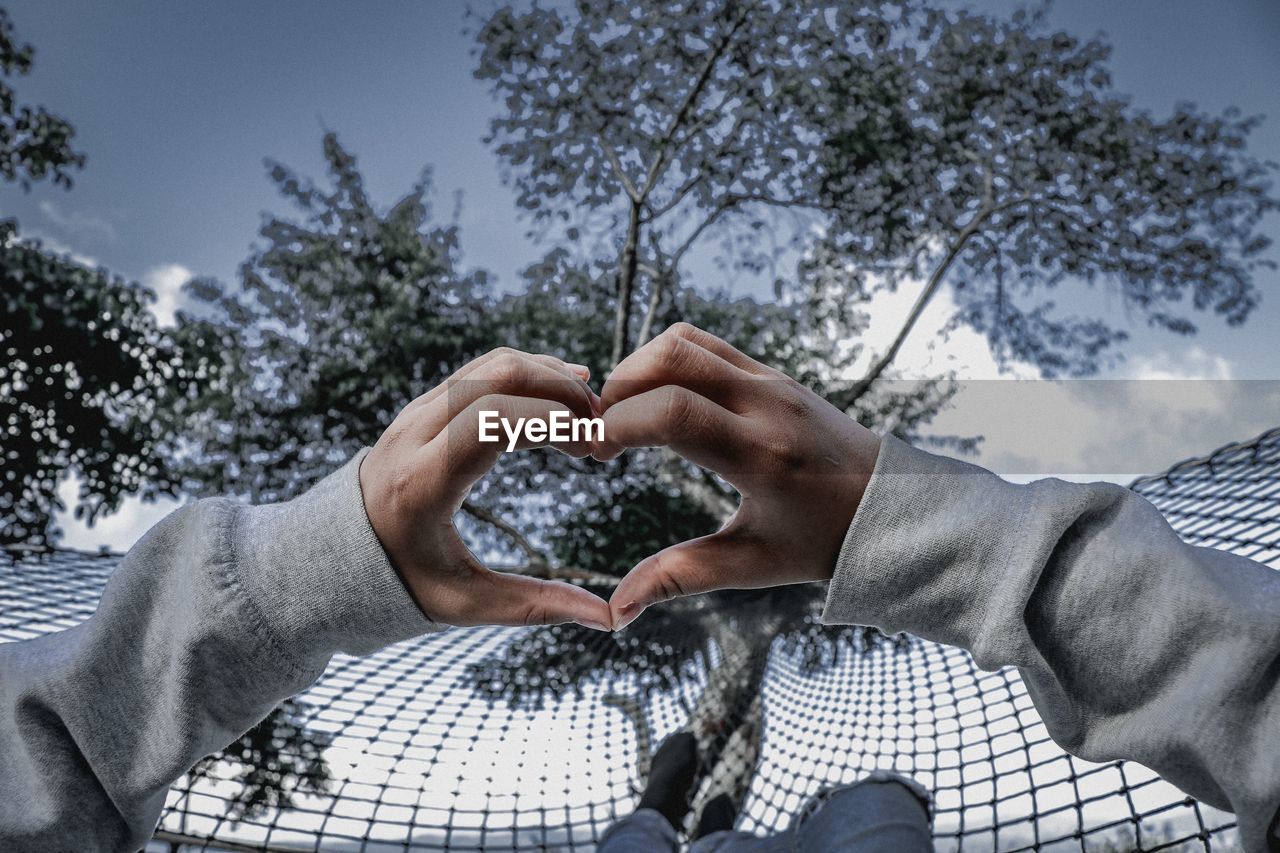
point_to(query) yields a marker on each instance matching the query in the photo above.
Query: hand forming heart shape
(799, 464)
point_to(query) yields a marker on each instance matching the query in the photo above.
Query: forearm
(220, 612)
(1133, 644)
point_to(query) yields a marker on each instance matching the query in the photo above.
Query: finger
(670, 359)
(511, 599)
(495, 354)
(718, 561)
(462, 458)
(720, 347)
(513, 375)
(673, 416)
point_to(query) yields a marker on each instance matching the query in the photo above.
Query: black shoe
(718, 814)
(671, 776)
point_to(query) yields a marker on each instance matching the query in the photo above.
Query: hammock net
(494, 739)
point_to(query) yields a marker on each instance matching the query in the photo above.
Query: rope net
(527, 739)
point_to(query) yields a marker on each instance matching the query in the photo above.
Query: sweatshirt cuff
(318, 576)
(926, 549)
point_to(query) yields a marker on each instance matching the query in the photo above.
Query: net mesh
(494, 738)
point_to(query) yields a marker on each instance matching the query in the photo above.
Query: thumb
(511, 599)
(699, 565)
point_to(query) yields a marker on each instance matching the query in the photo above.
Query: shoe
(718, 814)
(672, 772)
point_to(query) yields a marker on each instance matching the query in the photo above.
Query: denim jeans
(880, 813)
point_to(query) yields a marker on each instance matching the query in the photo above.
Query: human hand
(799, 464)
(419, 473)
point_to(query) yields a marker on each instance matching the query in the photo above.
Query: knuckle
(679, 411)
(676, 360)
(668, 350)
(667, 584)
(792, 407)
(489, 402)
(687, 331)
(536, 612)
(400, 482)
(507, 370)
(784, 454)
(393, 436)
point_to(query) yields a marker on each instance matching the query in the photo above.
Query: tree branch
(627, 263)
(848, 398)
(479, 513)
(986, 208)
(639, 198)
(538, 566)
(699, 83)
(702, 491)
(616, 165)
(651, 310)
(684, 189)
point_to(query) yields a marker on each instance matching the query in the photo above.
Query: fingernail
(597, 626)
(580, 369)
(628, 612)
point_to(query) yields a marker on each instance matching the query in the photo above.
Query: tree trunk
(727, 720)
(848, 398)
(628, 261)
(651, 312)
(635, 712)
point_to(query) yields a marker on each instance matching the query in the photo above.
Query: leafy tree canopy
(82, 370)
(339, 320)
(922, 147)
(82, 364)
(34, 143)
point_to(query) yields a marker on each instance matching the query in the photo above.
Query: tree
(855, 142)
(998, 158)
(339, 320)
(273, 762)
(85, 380)
(34, 143)
(928, 147)
(83, 362)
(83, 370)
(890, 145)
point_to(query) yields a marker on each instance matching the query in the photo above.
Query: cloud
(927, 351)
(1163, 406)
(1193, 363)
(77, 223)
(167, 280)
(117, 531)
(54, 246)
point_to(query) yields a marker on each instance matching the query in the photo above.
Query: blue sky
(178, 103)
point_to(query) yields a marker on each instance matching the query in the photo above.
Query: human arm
(223, 610)
(1133, 644)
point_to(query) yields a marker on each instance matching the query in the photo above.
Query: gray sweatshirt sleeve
(220, 612)
(1132, 643)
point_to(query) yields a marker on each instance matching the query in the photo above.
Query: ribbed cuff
(318, 575)
(923, 553)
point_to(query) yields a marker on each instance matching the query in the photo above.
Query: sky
(178, 104)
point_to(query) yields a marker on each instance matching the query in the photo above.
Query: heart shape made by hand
(800, 467)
